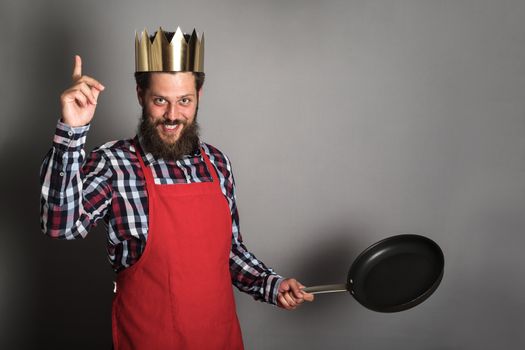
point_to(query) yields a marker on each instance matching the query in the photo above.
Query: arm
(75, 193)
(249, 274)
(74, 196)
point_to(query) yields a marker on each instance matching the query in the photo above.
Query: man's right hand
(291, 294)
(80, 100)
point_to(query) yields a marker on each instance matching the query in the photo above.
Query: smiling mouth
(171, 126)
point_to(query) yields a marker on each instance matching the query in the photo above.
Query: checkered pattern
(108, 185)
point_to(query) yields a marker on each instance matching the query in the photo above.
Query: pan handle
(327, 288)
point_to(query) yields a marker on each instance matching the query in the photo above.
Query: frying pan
(394, 274)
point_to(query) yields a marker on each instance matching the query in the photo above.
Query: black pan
(394, 274)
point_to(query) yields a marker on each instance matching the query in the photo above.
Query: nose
(171, 111)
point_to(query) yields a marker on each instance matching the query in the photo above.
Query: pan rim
(437, 257)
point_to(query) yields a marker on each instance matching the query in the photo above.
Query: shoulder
(117, 149)
(111, 156)
(218, 158)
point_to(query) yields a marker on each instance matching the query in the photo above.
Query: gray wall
(346, 121)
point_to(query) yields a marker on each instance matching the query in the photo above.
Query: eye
(185, 101)
(159, 101)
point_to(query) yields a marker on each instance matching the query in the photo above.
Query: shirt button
(61, 173)
(70, 133)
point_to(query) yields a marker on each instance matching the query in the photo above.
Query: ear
(140, 95)
(200, 93)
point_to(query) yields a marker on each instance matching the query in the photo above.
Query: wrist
(72, 124)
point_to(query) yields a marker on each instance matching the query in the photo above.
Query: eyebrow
(177, 97)
(186, 95)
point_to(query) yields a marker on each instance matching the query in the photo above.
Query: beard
(151, 142)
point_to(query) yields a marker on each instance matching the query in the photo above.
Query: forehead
(172, 84)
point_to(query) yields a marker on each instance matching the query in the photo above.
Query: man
(168, 201)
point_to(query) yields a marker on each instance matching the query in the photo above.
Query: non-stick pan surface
(394, 274)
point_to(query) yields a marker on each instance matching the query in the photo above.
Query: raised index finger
(77, 69)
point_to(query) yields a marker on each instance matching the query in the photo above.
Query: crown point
(193, 38)
(144, 36)
(178, 37)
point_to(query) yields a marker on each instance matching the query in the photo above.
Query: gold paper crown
(162, 55)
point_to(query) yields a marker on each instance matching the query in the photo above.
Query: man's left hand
(291, 294)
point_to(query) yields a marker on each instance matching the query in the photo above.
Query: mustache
(170, 122)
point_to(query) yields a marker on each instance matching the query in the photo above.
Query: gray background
(346, 122)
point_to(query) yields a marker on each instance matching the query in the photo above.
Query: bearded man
(168, 201)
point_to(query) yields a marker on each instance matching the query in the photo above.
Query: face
(168, 128)
(170, 103)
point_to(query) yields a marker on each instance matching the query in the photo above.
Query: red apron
(179, 294)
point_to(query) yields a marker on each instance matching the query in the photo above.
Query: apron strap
(211, 167)
(148, 174)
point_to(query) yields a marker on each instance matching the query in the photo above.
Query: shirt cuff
(272, 288)
(69, 138)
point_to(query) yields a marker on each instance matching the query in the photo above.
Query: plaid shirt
(110, 185)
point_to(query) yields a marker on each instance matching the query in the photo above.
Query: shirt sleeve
(249, 274)
(75, 191)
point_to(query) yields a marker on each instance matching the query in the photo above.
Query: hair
(143, 78)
